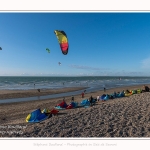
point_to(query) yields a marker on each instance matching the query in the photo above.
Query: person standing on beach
(72, 98)
(64, 99)
(82, 94)
(104, 89)
(91, 100)
(97, 98)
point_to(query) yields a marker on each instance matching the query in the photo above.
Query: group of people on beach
(98, 98)
(91, 99)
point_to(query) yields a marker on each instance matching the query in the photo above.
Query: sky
(100, 44)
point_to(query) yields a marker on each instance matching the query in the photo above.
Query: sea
(91, 84)
(97, 82)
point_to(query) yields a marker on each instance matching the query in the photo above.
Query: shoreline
(12, 94)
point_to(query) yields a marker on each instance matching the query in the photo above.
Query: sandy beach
(120, 117)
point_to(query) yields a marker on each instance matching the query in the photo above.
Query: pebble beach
(119, 117)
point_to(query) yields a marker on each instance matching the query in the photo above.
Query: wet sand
(120, 117)
(9, 94)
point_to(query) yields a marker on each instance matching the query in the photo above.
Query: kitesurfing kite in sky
(0, 48)
(47, 50)
(59, 63)
(63, 41)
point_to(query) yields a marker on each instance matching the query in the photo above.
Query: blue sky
(99, 44)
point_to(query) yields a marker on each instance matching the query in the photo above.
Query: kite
(59, 63)
(0, 48)
(63, 41)
(48, 50)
